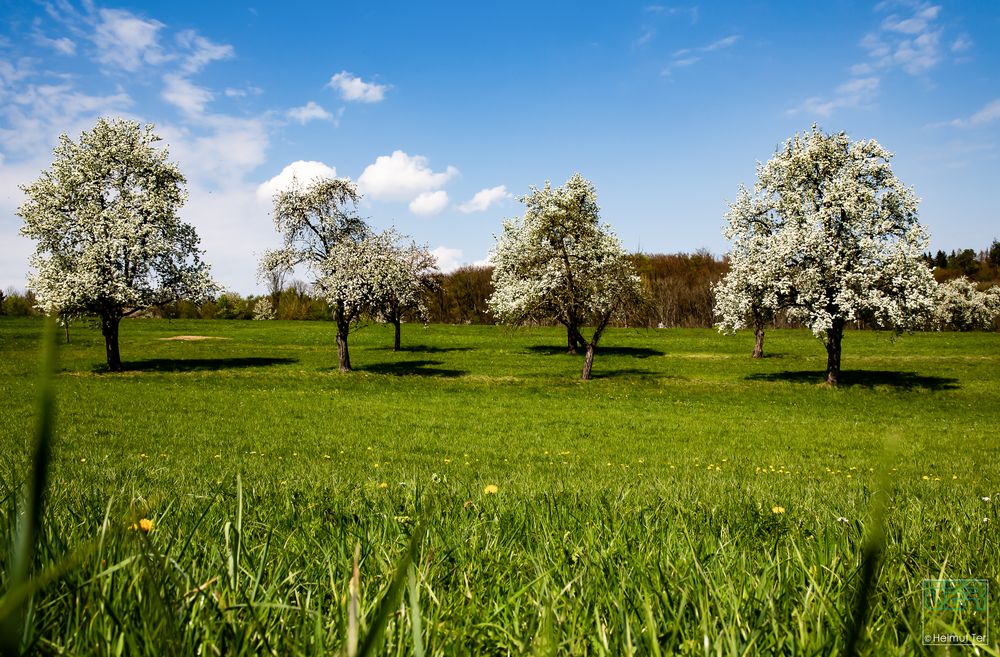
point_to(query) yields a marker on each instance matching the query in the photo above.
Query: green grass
(634, 512)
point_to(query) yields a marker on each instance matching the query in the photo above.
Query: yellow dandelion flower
(145, 526)
(491, 489)
(383, 485)
(925, 477)
(777, 510)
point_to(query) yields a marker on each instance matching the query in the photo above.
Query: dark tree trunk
(343, 354)
(758, 341)
(570, 340)
(109, 327)
(395, 341)
(833, 339)
(588, 358)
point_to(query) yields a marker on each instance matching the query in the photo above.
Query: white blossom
(109, 241)
(961, 306)
(559, 263)
(831, 235)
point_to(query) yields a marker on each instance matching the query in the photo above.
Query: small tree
(316, 222)
(109, 242)
(560, 263)
(359, 275)
(747, 295)
(961, 306)
(838, 240)
(410, 276)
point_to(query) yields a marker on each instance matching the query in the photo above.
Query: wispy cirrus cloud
(909, 38)
(686, 57)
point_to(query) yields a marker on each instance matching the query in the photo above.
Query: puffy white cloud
(484, 198)
(355, 89)
(429, 203)
(400, 177)
(302, 170)
(186, 95)
(308, 112)
(127, 41)
(448, 259)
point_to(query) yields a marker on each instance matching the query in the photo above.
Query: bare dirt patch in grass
(195, 337)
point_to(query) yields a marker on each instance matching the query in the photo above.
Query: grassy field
(688, 500)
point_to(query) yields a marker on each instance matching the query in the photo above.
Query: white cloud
(988, 114)
(689, 56)
(851, 94)
(127, 41)
(915, 24)
(429, 203)
(484, 198)
(961, 44)
(201, 51)
(186, 95)
(448, 259)
(308, 112)
(63, 45)
(355, 89)
(233, 92)
(302, 170)
(399, 177)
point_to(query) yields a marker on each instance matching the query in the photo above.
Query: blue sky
(444, 113)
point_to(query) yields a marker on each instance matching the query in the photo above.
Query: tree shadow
(635, 352)
(196, 364)
(411, 368)
(627, 371)
(864, 379)
(425, 349)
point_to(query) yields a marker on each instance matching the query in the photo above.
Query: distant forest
(679, 287)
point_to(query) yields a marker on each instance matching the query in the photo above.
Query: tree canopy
(109, 241)
(559, 263)
(830, 235)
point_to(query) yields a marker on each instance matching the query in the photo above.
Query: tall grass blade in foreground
(391, 598)
(870, 555)
(13, 617)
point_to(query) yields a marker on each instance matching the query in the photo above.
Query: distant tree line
(679, 286)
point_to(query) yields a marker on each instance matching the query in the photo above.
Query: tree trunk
(342, 352)
(758, 341)
(570, 340)
(109, 327)
(833, 339)
(588, 359)
(395, 342)
(588, 362)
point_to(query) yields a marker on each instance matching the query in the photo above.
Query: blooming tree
(559, 263)
(412, 272)
(960, 305)
(746, 295)
(830, 234)
(320, 226)
(109, 242)
(361, 275)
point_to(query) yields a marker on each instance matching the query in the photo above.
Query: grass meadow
(688, 500)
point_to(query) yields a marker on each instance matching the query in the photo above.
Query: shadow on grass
(864, 379)
(196, 364)
(422, 349)
(629, 372)
(411, 368)
(635, 352)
